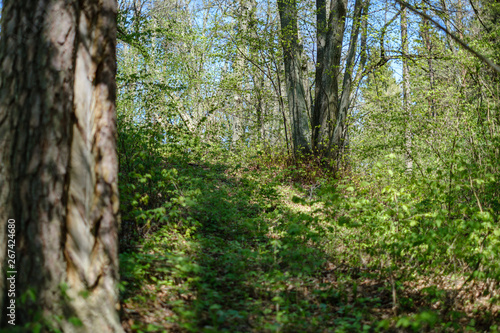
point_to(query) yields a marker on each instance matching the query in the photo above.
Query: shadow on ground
(231, 255)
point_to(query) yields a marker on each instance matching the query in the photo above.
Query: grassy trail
(247, 251)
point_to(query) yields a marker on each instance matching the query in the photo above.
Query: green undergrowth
(229, 256)
(211, 243)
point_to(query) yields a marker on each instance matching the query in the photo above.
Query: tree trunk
(296, 93)
(331, 104)
(329, 36)
(58, 173)
(339, 137)
(426, 34)
(406, 86)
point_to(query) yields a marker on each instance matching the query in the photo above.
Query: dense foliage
(225, 229)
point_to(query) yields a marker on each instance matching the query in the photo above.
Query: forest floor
(248, 249)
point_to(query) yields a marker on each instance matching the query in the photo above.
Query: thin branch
(481, 57)
(477, 14)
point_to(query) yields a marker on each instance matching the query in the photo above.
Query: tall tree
(453, 36)
(427, 39)
(406, 84)
(338, 140)
(58, 170)
(329, 39)
(292, 49)
(331, 99)
(244, 16)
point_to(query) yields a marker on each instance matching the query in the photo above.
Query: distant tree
(406, 83)
(58, 170)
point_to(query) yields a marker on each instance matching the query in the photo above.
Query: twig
(484, 59)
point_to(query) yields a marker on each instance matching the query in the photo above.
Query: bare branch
(481, 57)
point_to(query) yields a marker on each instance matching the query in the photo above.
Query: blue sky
(380, 12)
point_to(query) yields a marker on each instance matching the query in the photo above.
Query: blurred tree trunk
(238, 112)
(58, 170)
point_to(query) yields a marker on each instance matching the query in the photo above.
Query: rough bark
(58, 173)
(296, 93)
(338, 138)
(330, 35)
(446, 19)
(331, 102)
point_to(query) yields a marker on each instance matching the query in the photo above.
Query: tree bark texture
(329, 38)
(296, 93)
(331, 103)
(58, 173)
(339, 137)
(243, 14)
